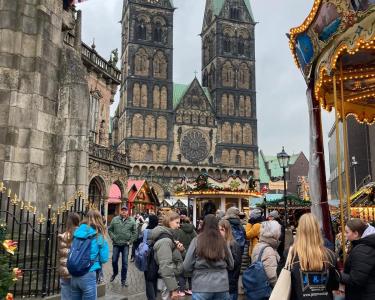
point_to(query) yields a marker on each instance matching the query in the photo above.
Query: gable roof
(180, 89)
(218, 5)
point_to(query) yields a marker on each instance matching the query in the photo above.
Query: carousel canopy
(335, 50)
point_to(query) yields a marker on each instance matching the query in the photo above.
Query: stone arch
(162, 128)
(150, 127)
(227, 74)
(98, 191)
(135, 149)
(174, 172)
(242, 156)
(224, 104)
(154, 149)
(144, 149)
(231, 105)
(203, 170)
(189, 173)
(163, 153)
(159, 171)
(244, 76)
(136, 94)
(144, 170)
(217, 173)
(249, 159)
(182, 172)
(211, 172)
(144, 95)
(224, 173)
(225, 156)
(196, 172)
(167, 172)
(237, 133)
(137, 125)
(156, 97)
(232, 157)
(241, 106)
(248, 106)
(230, 172)
(244, 174)
(247, 135)
(142, 62)
(226, 133)
(163, 98)
(160, 65)
(136, 171)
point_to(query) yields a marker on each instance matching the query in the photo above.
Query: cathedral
(174, 130)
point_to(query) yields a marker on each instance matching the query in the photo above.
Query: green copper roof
(179, 90)
(218, 5)
(271, 163)
(263, 174)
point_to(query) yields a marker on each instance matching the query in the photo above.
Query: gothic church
(173, 130)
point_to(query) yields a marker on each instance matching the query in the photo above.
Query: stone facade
(47, 79)
(174, 130)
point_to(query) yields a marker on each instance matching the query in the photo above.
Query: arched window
(161, 128)
(141, 62)
(163, 98)
(227, 45)
(244, 76)
(150, 127)
(227, 74)
(234, 13)
(241, 46)
(136, 94)
(231, 105)
(158, 33)
(141, 30)
(137, 125)
(156, 97)
(144, 95)
(224, 104)
(160, 65)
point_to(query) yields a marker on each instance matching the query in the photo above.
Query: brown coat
(64, 247)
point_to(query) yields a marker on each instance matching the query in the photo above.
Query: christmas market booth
(363, 204)
(335, 50)
(207, 194)
(141, 197)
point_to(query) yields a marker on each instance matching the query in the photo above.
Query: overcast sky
(281, 102)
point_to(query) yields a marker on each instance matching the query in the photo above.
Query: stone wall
(44, 103)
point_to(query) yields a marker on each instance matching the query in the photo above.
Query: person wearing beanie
(232, 215)
(275, 216)
(253, 228)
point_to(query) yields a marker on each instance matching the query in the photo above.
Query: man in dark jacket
(359, 271)
(123, 232)
(239, 234)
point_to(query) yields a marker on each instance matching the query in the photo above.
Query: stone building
(173, 130)
(49, 83)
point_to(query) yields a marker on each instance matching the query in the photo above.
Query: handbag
(283, 287)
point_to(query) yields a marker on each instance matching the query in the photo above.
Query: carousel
(207, 194)
(335, 50)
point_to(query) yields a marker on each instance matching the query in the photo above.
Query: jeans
(124, 250)
(233, 296)
(84, 287)
(151, 289)
(66, 293)
(210, 296)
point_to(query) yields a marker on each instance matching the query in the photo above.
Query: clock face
(194, 146)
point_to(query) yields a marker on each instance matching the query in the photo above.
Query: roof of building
(218, 5)
(180, 89)
(263, 174)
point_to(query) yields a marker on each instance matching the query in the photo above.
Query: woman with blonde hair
(167, 255)
(313, 267)
(92, 227)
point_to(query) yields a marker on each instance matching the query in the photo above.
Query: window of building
(94, 115)
(141, 31)
(158, 32)
(234, 13)
(227, 44)
(241, 47)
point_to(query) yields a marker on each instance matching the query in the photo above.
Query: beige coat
(64, 248)
(270, 257)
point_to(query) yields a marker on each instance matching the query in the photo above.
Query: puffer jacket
(64, 247)
(167, 256)
(208, 276)
(270, 257)
(252, 234)
(359, 270)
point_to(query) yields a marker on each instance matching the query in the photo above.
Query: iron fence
(36, 235)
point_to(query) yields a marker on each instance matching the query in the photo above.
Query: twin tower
(173, 130)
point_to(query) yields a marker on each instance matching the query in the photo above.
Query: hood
(157, 231)
(370, 230)
(232, 213)
(84, 231)
(234, 221)
(188, 228)
(274, 243)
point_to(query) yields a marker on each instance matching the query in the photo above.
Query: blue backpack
(142, 253)
(79, 261)
(255, 281)
(239, 235)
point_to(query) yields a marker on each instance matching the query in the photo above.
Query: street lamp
(354, 165)
(283, 159)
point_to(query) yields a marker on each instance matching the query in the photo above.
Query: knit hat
(274, 214)
(255, 213)
(232, 212)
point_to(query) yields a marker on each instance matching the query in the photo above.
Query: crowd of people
(223, 256)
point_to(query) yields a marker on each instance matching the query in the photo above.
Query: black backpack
(152, 273)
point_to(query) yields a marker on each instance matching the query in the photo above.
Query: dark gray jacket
(208, 276)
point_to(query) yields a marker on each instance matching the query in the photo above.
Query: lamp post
(283, 159)
(354, 164)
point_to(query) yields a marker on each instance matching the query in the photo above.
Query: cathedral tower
(228, 70)
(145, 110)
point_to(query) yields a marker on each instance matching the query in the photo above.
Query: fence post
(46, 253)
